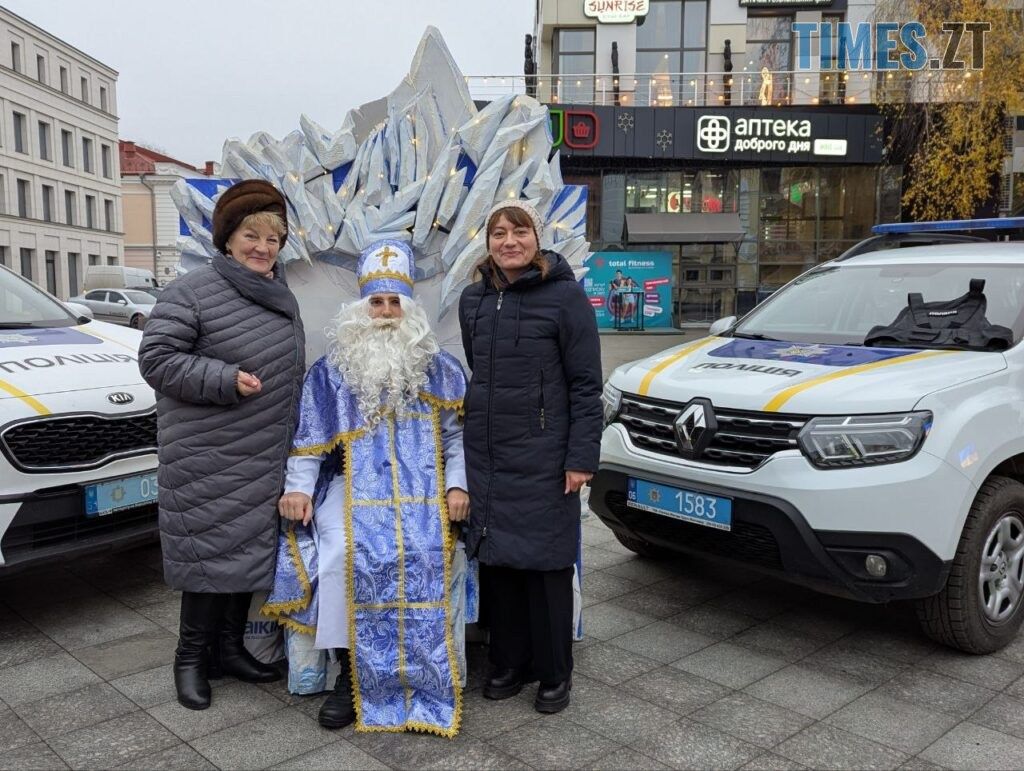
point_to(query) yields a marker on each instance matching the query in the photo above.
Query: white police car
(77, 431)
(879, 472)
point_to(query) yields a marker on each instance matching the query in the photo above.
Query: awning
(683, 228)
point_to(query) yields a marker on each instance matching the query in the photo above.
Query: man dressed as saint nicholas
(375, 480)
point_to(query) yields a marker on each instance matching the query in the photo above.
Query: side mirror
(721, 325)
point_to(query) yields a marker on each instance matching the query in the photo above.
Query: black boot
(233, 658)
(503, 683)
(338, 711)
(553, 698)
(200, 616)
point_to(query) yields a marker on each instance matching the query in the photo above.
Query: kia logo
(713, 133)
(120, 397)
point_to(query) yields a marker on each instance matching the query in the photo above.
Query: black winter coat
(222, 456)
(533, 411)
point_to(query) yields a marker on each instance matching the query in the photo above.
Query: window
(15, 57)
(51, 271)
(87, 155)
(671, 40)
(112, 261)
(85, 89)
(768, 47)
(24, 198)
(44, 141)
(73, 262)
(20, 136)
(26, 262)
(3, 196)
(105, 161)
(574, 55)
(103, 98)
(64, 79)
(4, 258)
(97, 295)
(90, 211)
(94, 259)
(40, 68)
(66, 144)
(108, 214)
(48, 203)
(69, 207)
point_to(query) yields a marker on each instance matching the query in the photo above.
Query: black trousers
(530, 617)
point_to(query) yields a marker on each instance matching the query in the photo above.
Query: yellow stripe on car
(668, 361)
(94, 333)
(19, 394)
(776, 402)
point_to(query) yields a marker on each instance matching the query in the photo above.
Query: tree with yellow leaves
(949, 124)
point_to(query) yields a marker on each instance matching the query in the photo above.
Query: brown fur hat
(238, 202)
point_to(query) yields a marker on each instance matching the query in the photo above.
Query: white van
(792, 442)
(118, 277)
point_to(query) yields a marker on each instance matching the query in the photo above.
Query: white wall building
(60, 186)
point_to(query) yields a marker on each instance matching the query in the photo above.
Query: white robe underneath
(330, 535)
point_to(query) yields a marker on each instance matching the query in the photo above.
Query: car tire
(641, 548)
(979, 609)
(136, 322)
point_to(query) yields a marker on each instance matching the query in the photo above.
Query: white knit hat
(523, 206)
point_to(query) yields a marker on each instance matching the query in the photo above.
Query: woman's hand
(574, 480)
(296, 507)
(248, 384)
(458, 505)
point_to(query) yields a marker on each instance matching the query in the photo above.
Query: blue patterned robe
(405, 671)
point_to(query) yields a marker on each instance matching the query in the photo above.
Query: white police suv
(77, 431)
(861, 433)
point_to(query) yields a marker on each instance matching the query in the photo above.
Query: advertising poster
(631, 288)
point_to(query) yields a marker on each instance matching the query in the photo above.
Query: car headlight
(611, 400)
(864, 440)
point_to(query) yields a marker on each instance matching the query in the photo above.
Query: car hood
(36, 362)
(800, 378)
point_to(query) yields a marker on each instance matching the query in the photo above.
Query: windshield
(23, 304)
(140, 298)
(840, 304)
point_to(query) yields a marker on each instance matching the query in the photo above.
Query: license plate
(699, 508)
(102, 498)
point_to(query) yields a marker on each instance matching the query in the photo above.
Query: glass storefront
(794, 216)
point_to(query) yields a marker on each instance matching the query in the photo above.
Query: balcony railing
(715, 89)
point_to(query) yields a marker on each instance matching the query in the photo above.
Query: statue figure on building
(530, 68)
(727, 67)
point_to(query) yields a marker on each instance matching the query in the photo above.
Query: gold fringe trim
(444, 404)
(277, 609)
(322, 449)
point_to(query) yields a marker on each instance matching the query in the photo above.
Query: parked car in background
(77, 432)
(130, 307)
(118, 277)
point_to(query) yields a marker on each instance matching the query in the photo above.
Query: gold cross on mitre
(385, 255)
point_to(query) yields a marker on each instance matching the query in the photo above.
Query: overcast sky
(195, 72)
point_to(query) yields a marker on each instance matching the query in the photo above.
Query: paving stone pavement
(686, 664)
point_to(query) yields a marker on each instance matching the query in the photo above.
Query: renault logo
(120, 397)
(695, 427)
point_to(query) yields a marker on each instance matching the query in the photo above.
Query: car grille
(77, 442)
(744, 438)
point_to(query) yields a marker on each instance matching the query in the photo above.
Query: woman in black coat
(225, 351)
(532, 440)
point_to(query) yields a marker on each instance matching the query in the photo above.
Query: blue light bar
(995, 223)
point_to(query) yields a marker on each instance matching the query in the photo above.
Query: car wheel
(979, 610)
(136, 322)
(642, 548)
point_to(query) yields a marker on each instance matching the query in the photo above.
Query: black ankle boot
(504, 683)
(553, 698)
(338, 710)
(233, 658)
(200, 616)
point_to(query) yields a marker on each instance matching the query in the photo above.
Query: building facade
(151, 222)
(60, 188)
(719, 135)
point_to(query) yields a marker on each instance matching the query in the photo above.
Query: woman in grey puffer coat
(225, 351)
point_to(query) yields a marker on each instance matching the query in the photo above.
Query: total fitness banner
(619, 281)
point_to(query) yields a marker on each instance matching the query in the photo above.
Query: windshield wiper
(755, 336)
(19, 325)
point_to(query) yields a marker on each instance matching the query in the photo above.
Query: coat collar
(272, 293)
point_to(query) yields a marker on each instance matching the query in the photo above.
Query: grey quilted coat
(222, 456)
